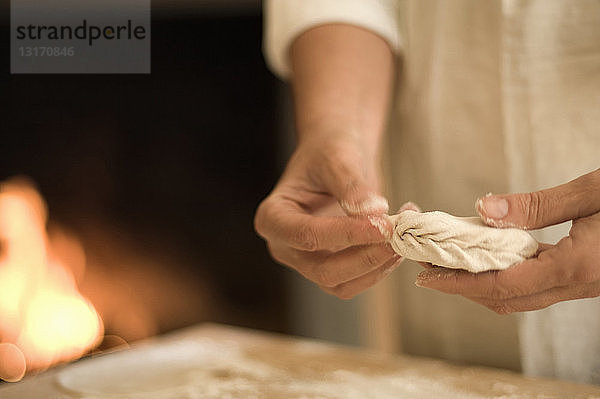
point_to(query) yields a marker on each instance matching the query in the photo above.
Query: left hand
(562, 272)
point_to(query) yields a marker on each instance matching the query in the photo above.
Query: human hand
(565, 271)
(326, 219)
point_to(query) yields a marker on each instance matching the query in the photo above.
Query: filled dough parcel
(459, 242)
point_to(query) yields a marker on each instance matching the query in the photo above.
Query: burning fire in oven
(44, 319)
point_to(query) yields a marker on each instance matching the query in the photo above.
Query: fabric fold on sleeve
(286, 19)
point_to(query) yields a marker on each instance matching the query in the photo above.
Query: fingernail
(437, 273)
(493, 207)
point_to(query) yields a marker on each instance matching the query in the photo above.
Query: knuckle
(350, 236)
(537, 207)
(500, 293)
(343, 292)
(305, 238)
(451, 283)
(495, 290)
(325, 277)
(266, 216)
(501, 290)
(501, 308)
(371, 257)
(259, 218)
(531, 203)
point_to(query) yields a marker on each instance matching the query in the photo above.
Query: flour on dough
(459, 242)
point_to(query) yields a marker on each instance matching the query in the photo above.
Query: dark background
(170, 165)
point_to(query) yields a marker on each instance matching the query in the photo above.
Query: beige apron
(496, 96)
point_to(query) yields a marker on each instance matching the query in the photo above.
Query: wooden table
(215, 361)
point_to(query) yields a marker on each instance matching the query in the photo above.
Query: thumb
(355, 195)
(12, 362)
(576, 199)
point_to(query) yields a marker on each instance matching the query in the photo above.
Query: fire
(43, 317)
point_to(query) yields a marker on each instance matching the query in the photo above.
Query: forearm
(342, 79)
(325, 216)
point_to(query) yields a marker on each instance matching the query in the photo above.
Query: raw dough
(459, 242)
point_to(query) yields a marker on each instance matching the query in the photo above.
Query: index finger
(280, 220)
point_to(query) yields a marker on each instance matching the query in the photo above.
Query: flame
(42, 313)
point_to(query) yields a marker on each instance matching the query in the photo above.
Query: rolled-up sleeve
(286, 19)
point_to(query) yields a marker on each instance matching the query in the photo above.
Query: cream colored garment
(459, 242)
(286, 19)
(500, 96)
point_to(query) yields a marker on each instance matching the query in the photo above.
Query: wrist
(340, 150)
(334, 135)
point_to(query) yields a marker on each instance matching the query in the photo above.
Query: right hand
(326, 219)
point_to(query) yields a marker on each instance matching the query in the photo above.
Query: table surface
(215, 361)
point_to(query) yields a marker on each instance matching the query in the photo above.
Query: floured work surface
(212, 361)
